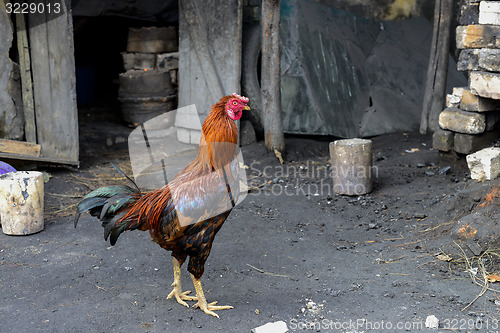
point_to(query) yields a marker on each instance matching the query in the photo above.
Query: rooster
(185, 215)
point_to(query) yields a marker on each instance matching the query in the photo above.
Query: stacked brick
(471, 119)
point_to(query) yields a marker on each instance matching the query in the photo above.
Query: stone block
(460, 121)
(468, 60)
(489, 12)
(477, 36)
(485, 84)
(469, 14)
(452, 101)
(442, 140)
(195, 136)
(471, 102)
(484, 164)
(489, 60)
(467, 144)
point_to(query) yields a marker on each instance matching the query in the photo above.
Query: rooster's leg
(177, 291)
(208, 308)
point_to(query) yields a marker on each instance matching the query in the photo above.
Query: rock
(468, 60)
(489, 60)
(247, 133)
(452, 101)
(471, 102)
(485, 84)
(484, 164)
(442, 140)
(478, 36)
(431, 322)
(469, 14)
(276, 327)
(462, 121)
(489, 12)
(468, 144)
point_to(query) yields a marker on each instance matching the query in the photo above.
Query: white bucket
(21, 202)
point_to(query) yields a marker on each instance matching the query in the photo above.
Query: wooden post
(435, 87)
(271, 85)
(27, 87)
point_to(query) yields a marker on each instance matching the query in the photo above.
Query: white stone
(485, 84)
(489, 12)
(431, 322)
(484, 164)
(276, 327)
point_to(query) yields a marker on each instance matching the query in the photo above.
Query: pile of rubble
(471, 119)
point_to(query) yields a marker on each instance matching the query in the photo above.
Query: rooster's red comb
(243, 98)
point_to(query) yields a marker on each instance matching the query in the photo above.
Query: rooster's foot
(181, 296)
(208, 308)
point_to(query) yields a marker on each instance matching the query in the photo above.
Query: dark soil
(291, 251)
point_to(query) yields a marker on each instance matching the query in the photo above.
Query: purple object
(6, 168)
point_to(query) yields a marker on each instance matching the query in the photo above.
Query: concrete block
(468, 60)
(489, 12)
(453, 99)
(485, 84)
(484, 164)
(462, 121)
(442, 140)
(467, 144)
(469, 14)
(477, 36)
(489, 60)
(471, 102)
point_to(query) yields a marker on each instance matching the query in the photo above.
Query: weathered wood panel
(54, 84)
(19, 147)
(210, 52)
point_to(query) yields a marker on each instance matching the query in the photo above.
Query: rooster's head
(235, 106)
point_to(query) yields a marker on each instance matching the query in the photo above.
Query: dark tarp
(349, 76)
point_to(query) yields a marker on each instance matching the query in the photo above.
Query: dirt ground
(292, 251)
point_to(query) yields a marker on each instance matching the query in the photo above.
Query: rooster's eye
(235, 103)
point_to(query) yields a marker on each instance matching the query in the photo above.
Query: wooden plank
(26, 85)
(214, 69)
(19, 147)
(52, 55)
(435, 88)
(7, 157)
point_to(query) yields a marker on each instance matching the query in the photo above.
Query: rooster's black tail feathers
(109, 204)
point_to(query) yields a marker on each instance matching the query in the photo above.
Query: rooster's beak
(246, 108)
